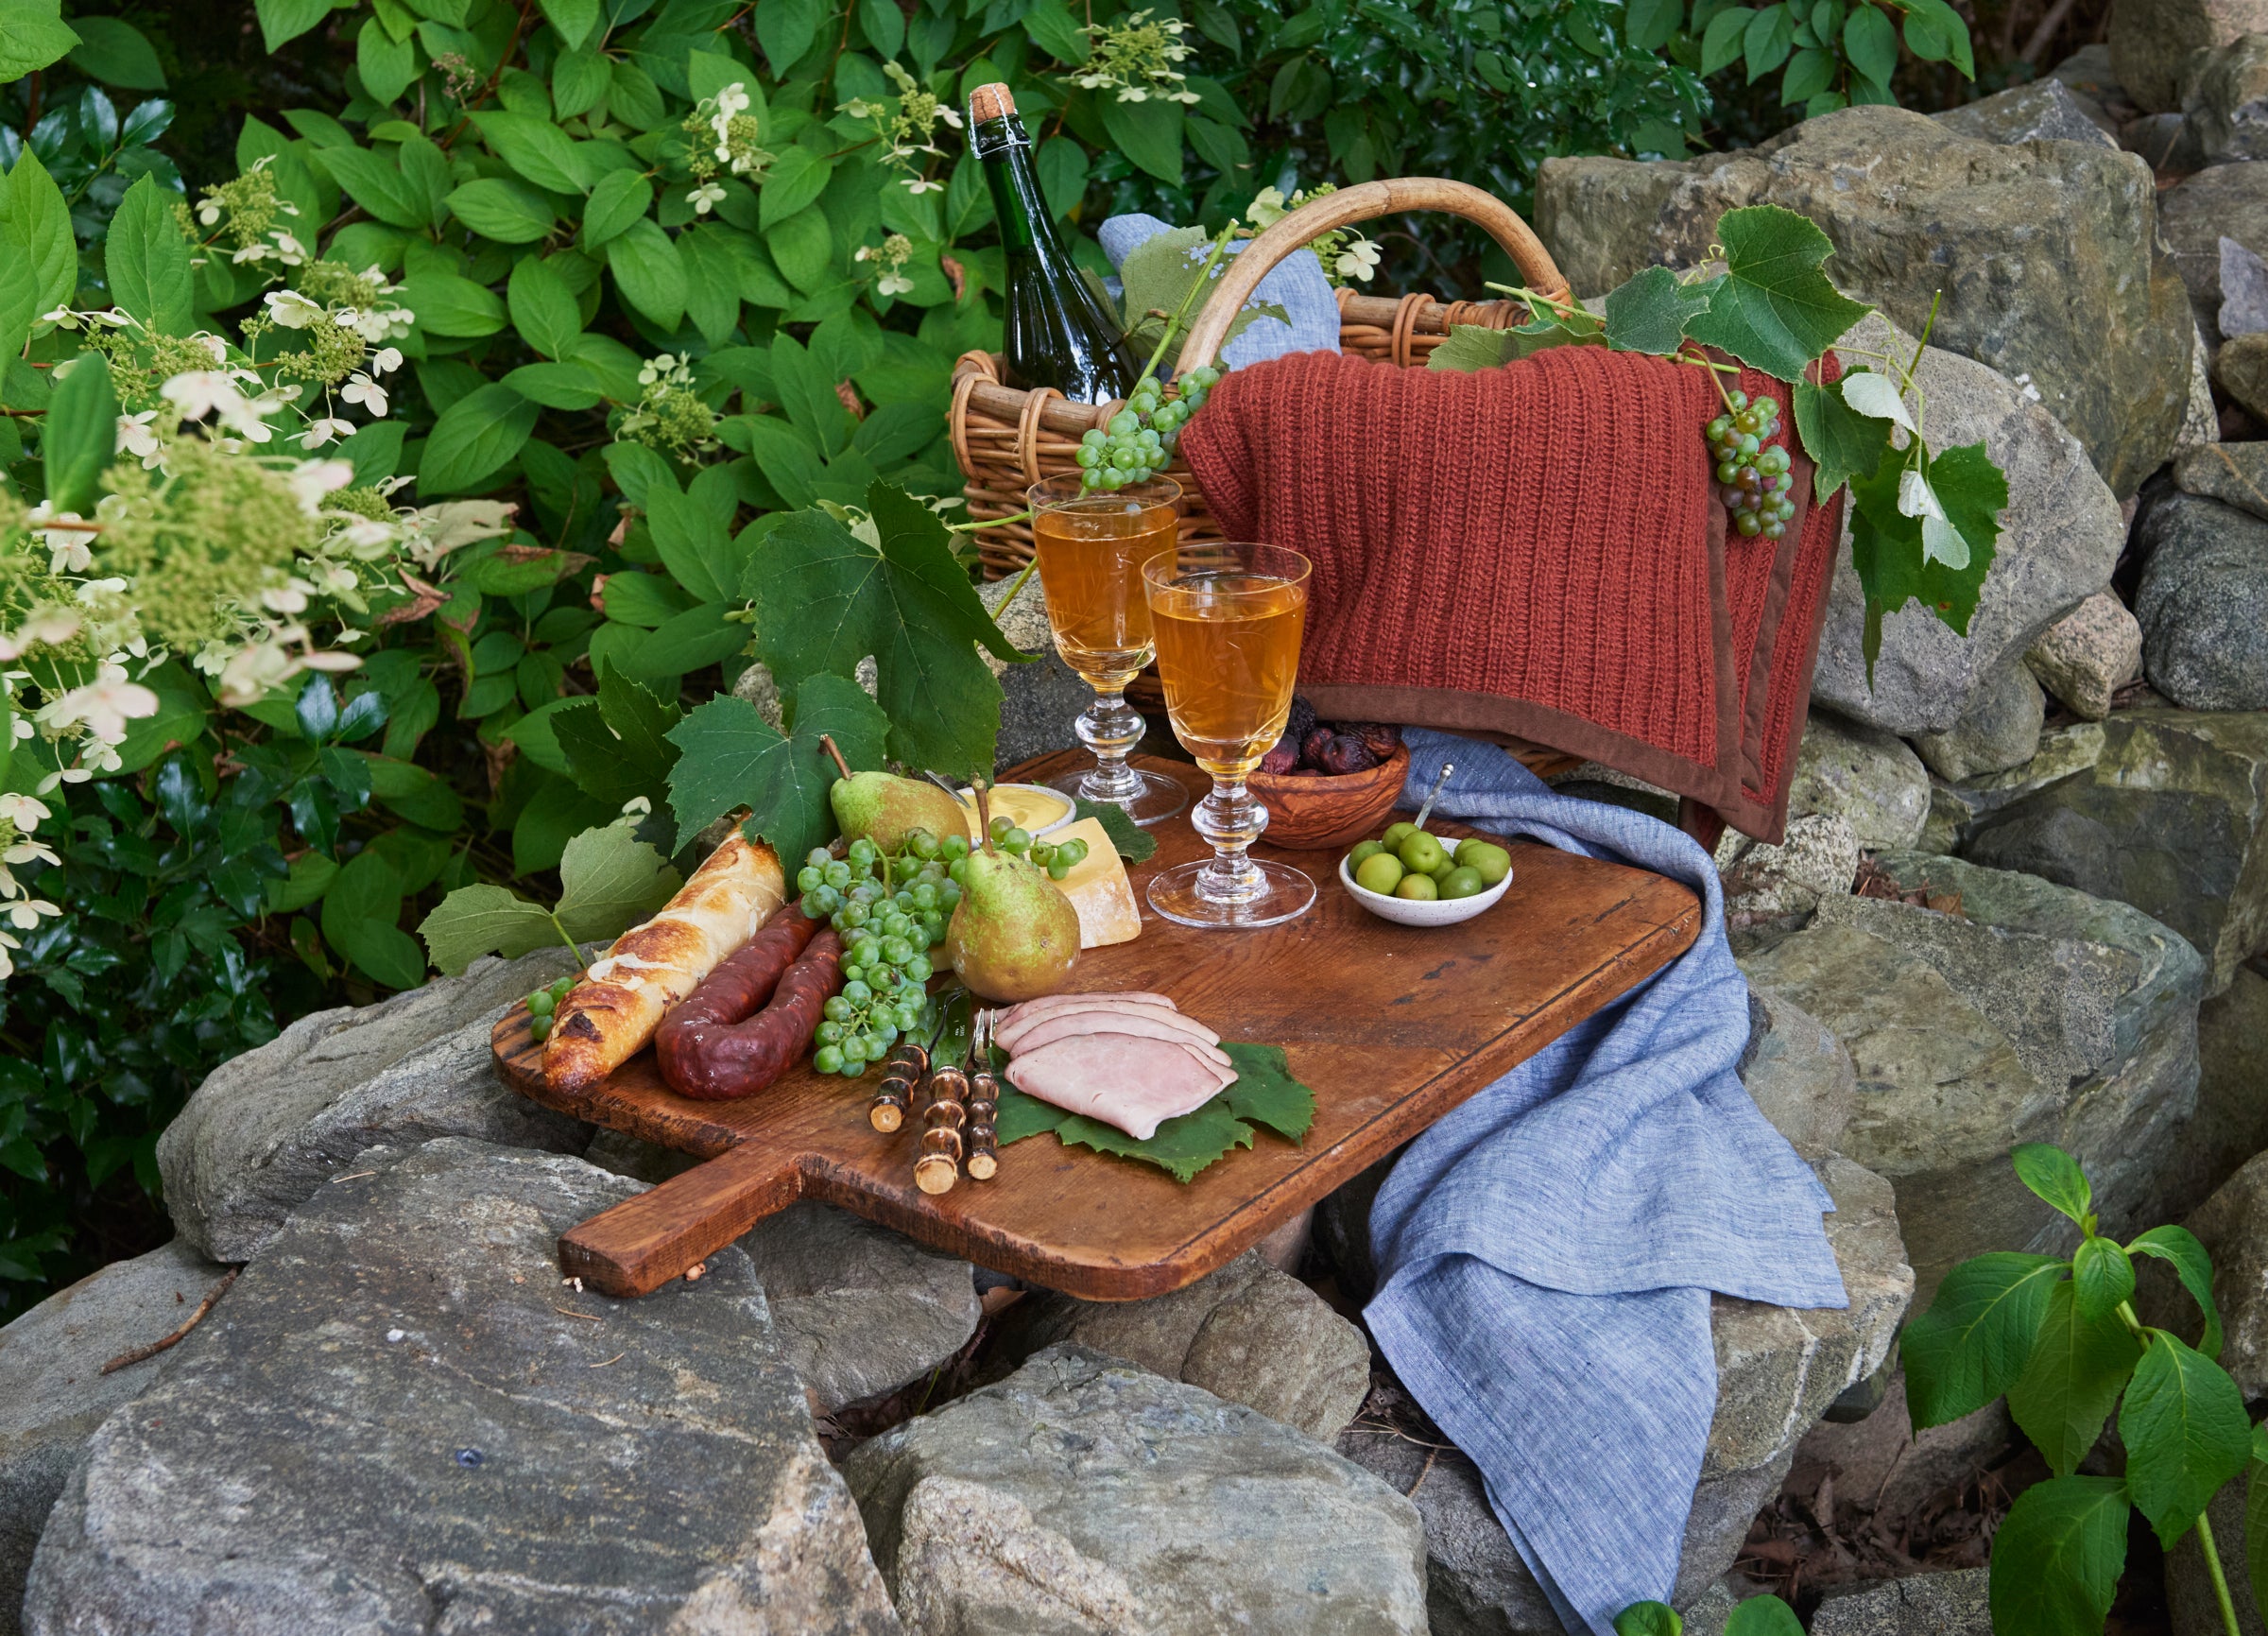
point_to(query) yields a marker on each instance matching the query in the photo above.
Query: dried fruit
(1313, 745)
(1346, 754)
(1281, 760)
(1300, 722)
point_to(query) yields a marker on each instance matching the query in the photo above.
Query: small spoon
(1434, 794)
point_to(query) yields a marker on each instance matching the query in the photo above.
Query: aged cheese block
(1098, 887)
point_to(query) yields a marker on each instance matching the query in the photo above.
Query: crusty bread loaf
(612, 1012)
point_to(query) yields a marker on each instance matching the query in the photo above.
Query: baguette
(608, 1017)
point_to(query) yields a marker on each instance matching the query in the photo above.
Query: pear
(1013, 935)
(885, 808)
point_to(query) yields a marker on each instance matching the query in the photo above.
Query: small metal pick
(1434, 794)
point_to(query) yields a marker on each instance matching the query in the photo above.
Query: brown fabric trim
(1720, 625)
(1767, 627)
(1772, 822)
(1486, 713)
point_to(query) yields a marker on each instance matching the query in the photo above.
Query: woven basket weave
(1006, 438)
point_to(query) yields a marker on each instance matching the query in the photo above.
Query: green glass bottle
(1060, 333)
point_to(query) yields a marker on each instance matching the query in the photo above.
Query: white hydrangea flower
(293, 310)
(104, 706)
(706, 198)
(22, 811)
(324, 429)
(385, 360)
(361, 389)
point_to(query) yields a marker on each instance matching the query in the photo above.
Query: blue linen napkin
(1546, 1253)
(1296, 283)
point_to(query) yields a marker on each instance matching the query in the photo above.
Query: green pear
(1013, 935)
(885, 808)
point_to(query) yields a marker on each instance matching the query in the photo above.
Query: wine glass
(1092, 544)
(1228, 619)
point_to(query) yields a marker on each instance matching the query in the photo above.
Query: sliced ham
(1032, 1010)
(1130, 1080)
(1114, 1020)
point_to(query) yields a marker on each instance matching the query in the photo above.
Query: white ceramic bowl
(1422, 911)
(1070, 812)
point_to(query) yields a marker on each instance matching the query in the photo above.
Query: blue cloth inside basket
(1296, 283)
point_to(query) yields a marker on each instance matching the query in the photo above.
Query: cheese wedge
(1098, 887)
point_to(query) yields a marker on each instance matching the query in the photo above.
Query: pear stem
(827, 743)
(984, 813)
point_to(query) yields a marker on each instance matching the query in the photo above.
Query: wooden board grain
(1392, 1027)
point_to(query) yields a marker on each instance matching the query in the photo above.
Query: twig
(352, 1176)
(2044, 36)
(586, 1317)
(615, 1359)
(140, 1353)
(1424, 1471)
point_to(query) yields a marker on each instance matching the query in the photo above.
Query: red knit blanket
(1533, 552)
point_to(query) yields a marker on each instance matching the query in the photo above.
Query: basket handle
(1364, 202)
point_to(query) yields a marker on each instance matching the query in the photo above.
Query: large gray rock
(2087, 73)
(2232, 1087)
(266, 1129)
(2244, 291)
(390, 1424)
(1956, 1604)
(2224, 100)
(1820, 855)
(1777, 1371)
(1085, 1494)
(2169, 814)
(1247, 1333)
(2043, 251)
(2235, 473)
(2233, 1227)
(53, 1392)
(1886, 1466)
(1999, 730)
(2043, 1015)
(2191, 1607)
(2202, 603)
(1799, 1075)
(2061, 536)
(2242, 367)
(1864, 775)
(2227, 200)
(2043, 111)
(2092, 651)
(2150, 42)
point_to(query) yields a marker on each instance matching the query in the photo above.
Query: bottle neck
(1017, 199)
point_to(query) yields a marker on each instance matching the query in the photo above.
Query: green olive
(1395, 835)
(1419, 888)
(1419, 852)
(1364, 851)
(1493, 861)
(1463, 883)
(1381, 873)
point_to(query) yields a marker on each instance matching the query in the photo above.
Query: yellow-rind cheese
(1098, 887)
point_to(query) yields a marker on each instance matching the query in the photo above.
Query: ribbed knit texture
(1545, 534)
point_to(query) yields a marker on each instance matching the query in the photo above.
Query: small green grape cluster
(542, 1003)
(1059, 858)
(1757, 484)
(1137, 442)
(890, 910)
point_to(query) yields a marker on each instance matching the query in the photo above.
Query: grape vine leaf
(1648, 314)
(1887, 544)
(1470, 347)
(1575, 327)
(1131, 842)
(609, 879)
(1157, 277)
(1264, 1092)
(826, 596)
(1773, 308)
(731, 757)
(1842, 443)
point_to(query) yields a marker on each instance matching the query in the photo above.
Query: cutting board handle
(642, 1243)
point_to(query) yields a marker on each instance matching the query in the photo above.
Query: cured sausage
(742, 981)
(716, 1060)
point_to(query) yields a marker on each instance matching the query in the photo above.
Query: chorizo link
(722, 1060)
(735, 991)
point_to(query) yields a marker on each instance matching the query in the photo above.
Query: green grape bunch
(890, 909)
(1059, 858)
(1753, 475)
(543, 1002)
(1138, 441)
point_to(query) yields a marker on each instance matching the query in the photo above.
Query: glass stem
(1111, 728)
(1230, 820)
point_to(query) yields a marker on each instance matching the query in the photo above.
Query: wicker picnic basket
(1006, 438)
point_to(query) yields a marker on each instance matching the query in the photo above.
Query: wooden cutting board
(1392, 1027)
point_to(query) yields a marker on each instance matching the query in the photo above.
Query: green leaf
(1721, 43)
(731, 757)
(557, 385)
(1132, 843)
(1810, 72)
(115, 52)
(2256, 1520)
(1180, 1148)
(2179, 1248)
(1052, 29)
(2057, 1557)
(2184, 1426)
(81, 434)
(388, 66)
(1650, 24)
(619, 198)
(785, 29)
(803, 246)
(712, 282)
(2101, 1277)
(2074, 1377)
(374, 181)
(1763, 1616)
(824, 599)
(1767, 39)
(1576, 328)
(2052, 1174)
(282, 20)
(574, 19)
(648, 272)
(1870, 44)
(1975, 1340)
(482, 920)
(695, 538)
(537, 149)
(609, 881)
(147, 261)
(504, 211)
(1159, 275)
(1840, 441)
(1150, 133)
(41, 257)
(1774, 309)
(1648, 1618)
(1649, 313)
(579, 79)
(796, 179)
(543, 307)
(1265, 1092)
(32, 35)
(709, 72)
(475, 437)
(1185, 1146)
(1936, 33)
(447, 304)
(616, 747)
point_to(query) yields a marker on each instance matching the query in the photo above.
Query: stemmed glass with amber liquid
(1091, 545)
(1228, 619)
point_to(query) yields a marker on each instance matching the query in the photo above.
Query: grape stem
(975, 523)
(827, 744)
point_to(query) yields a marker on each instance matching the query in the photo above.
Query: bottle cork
(990, 102)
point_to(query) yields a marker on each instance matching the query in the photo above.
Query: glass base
(1180, 895)
(1153, 799)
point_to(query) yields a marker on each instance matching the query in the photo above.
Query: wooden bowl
(1314, 813)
